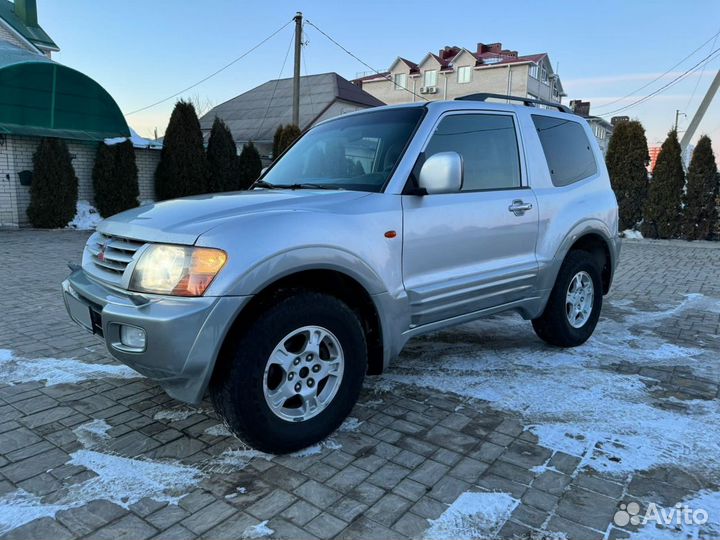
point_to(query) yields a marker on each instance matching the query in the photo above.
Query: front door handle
(519, 207)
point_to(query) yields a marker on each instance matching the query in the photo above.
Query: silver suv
(373, 228)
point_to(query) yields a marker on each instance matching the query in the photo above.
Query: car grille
(110, 256)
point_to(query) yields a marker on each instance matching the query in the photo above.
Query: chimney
(26, 10)
(481, 48)
(580, 107)
(494, 48)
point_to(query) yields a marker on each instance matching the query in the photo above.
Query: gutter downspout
(445, 89)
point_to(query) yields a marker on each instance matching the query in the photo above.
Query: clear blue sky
(142, 51)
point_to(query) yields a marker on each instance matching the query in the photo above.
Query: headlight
(176, 270)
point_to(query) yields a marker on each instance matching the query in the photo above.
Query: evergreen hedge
(182, 170)
(663, 208)
(276, 141)
(289, 135)
(626, 160)
(115, 178)
(701, 214)
(222, 158)
(250, 165)
(54, 188)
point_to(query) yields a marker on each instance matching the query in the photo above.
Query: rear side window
(567, 149)
(488, 146)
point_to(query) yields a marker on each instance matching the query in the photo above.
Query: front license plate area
(79, 311)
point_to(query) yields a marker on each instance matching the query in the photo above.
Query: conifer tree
(663, 209)
(700, 217)
(626, 160)
(182, 170)
(250, 165)
(223, 163)
(54, 188)
(115, 178)
(289, 135)
(276, 141)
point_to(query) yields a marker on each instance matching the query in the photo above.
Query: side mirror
(442, 173)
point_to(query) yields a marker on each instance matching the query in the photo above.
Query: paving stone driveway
(97, 454)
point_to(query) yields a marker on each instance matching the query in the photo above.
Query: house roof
(43, 98)
(486, 58)
(256, 114)
(34, 34)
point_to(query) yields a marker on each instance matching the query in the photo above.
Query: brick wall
(16, 155)
(147, 161)
(8, 35)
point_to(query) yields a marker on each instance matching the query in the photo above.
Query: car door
(475, 249)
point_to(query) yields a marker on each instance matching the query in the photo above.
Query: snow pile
(54, 371)
(572, 399)
(315, 449)
(86, 217)
(472, 515)
(632, 234)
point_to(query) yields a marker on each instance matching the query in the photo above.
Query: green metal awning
(40, 97)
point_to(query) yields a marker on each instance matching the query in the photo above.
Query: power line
(664, 87)
(659, 77)
(697, 82)
(243, 55)
(377, 72)
(277, 81)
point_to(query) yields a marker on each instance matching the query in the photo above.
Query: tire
(247, 375)
(554, 325)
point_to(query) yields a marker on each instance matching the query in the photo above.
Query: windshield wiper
(266, 185)
(308, 185)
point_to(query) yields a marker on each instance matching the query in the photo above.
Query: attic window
(400, 81)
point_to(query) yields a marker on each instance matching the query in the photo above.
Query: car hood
(182, 221)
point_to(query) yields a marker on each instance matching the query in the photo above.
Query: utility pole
(677, 114)
(695, 122)
(296, 75)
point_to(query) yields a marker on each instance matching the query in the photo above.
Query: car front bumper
(183, 335)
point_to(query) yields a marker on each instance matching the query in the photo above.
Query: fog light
(132, 337)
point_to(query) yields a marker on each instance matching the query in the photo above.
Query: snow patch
(706, 500)
(607, 418)
(14, 370)
(92, 433)
(125, 481)
(472, 515)
(20, 507)
(257, 531)
(350, 424)
(86, 217)
(632, 234)
(315, 449)
(175, 415)
(218, 430)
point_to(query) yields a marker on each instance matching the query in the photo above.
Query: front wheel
(573, 309)
(294, 374)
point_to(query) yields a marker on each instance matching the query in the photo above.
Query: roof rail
(528, 102)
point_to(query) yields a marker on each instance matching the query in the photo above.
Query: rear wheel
(573, 309)
(294, 374)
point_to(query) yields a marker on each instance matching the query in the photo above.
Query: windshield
(356, 152)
